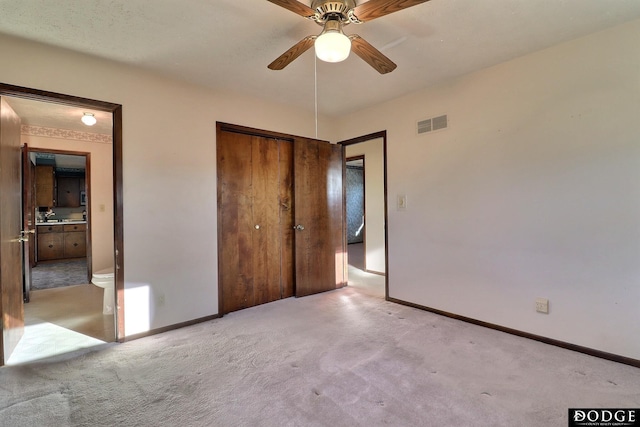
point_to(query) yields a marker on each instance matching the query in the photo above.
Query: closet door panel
(235, 221)
(286, 219)
(266, 217)
(319, 243)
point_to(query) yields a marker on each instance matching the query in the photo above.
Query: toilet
(105, 279)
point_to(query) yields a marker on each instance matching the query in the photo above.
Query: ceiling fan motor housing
(331, 9)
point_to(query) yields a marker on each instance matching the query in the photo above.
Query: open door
(11, 287)
(28, 223)
(320, 250)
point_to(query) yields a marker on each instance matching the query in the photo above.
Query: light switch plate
(402, 202)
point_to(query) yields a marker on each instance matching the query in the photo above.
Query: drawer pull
(50, 246)
(75, 244)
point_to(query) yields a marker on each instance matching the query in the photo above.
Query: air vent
(424, 126)
(433, 124)
(439, 122)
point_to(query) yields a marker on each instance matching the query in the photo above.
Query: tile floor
(53, 274)
(62, 320)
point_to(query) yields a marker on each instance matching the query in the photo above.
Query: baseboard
(550, 341)
(169, 328)
(379, 273)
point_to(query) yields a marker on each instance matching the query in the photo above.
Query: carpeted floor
(54, 274)
(341, 358)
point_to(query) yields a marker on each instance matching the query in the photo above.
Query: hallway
(368, 283)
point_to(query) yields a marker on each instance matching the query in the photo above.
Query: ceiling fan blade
(289, 56)
(371, 55)
(376, 8)
(295, 7)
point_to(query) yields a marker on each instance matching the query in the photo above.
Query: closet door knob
(299, 227)
(257, 226)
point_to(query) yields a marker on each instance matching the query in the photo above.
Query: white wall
(374, 201)
(170, 253)
(533, 191)
(101, 192)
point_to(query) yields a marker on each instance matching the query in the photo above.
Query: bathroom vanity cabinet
(61, 241)
(50, 242)
(75, 240)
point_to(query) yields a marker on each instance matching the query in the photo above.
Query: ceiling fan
(332, 45)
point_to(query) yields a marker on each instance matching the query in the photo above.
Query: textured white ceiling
(227, 44)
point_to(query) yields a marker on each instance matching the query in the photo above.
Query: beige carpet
(343, 358)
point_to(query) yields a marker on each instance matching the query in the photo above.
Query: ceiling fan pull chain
(315, 81)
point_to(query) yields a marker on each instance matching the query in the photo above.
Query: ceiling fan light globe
(332, 46)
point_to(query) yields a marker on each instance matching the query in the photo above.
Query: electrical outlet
(542, 305)
(160, 300)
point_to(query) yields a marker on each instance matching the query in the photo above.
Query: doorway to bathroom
(74, 232)
(60, 253)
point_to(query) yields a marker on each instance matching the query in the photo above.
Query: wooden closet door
(260, 256)
(255, 220)
(320, 258)
(235, 221)
(265, 165)
(287, 268)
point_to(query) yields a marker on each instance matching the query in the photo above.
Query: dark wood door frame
(365, 138)
(28, 221)
(116, 112)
